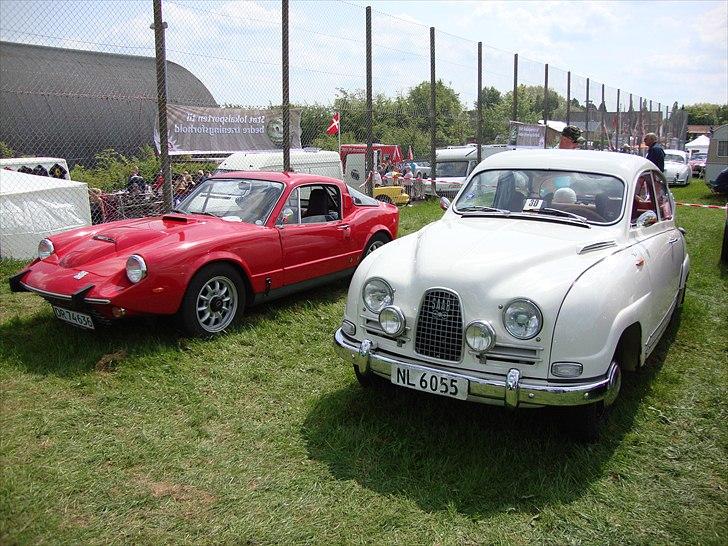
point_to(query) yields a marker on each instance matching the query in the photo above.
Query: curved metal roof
(73, 104)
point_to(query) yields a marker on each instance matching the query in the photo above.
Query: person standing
(135, 184)
(655, 153)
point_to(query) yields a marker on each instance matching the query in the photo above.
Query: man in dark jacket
(655, 153)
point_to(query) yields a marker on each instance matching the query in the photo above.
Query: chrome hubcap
(217, 302)
(375, 245)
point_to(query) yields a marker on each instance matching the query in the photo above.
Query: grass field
(135, 434)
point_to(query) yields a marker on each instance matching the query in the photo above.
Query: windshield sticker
(533, 204)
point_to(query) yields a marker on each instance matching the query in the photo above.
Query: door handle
(673, 241)
(343, 227)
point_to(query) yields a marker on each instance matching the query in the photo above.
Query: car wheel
(374, 243)
(213, 300)
(384, 199)
(585, 423)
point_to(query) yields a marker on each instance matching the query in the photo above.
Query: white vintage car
(551, 273)
(677, 168)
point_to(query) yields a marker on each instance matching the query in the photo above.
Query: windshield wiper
(558, 212)
(481, 208)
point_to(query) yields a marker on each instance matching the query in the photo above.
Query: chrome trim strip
(61, 296)
(511, 390)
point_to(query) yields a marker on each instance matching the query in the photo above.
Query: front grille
(440, 326)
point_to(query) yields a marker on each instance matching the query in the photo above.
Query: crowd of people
(389, 173)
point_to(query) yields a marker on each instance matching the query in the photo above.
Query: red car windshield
(235, 200)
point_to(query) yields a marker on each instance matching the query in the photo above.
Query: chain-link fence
(80, 83)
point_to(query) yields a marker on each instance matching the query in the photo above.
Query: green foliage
(707, 114)
(6, 151)
(111, 169)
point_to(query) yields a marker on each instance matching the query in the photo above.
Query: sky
(666, 51)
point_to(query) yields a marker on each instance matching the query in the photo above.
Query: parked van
(39, 166)
(717, 156)
(455, 163)
(312, 161)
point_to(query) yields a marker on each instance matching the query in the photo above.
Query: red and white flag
(334, 125)
(410, 156)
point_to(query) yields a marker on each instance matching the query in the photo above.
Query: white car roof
(624, 166)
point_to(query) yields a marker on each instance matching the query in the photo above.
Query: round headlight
(522, 319)
(480, 336)
(391, 320)
(136, 268)
(45, 249)
(377, 295)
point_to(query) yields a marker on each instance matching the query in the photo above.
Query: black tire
(585, 423)
(214, 300)
(378, 240)
(384, 199)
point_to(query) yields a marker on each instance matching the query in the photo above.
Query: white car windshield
(235, 200)
(674, 158)
(586, 197)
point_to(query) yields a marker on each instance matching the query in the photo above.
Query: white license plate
(434, 383)
(77, 319)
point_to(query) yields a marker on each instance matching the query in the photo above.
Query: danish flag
(334, 125)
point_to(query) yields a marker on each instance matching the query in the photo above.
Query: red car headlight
(136, 268)
(45, 249)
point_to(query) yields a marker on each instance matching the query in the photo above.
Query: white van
(39, 166)
(302, 161)
(455, 163)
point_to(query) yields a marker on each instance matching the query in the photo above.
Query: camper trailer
(717, 156)
(311, 161)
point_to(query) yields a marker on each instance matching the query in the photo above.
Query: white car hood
(488, 262)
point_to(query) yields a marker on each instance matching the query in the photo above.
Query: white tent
(700, 144)
(33, 207)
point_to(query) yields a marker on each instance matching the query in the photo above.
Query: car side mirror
(285, 217)
(444, 203)
(647, 219)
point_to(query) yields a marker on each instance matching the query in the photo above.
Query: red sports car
(238, 239)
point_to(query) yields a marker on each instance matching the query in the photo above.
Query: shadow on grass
(42, 344)
(444, 454)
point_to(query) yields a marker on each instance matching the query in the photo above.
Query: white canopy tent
(700, 145)
(33, 207)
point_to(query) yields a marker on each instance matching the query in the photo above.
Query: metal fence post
(586, 117)
(515, 87)
(161, 60)
(619, 124)
(568, 98)
(545, 105)
(659, 121)
(286, 105)
(479, 138)
(433, 155)
(650, 118)
(641, 125)
(603, 128)
(369, 161)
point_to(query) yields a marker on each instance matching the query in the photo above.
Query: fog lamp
(391, 320)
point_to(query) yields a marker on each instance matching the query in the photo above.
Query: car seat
(318, 203)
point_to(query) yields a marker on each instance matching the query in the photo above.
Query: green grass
(135, 434)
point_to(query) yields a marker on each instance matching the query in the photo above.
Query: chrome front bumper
(511, 391)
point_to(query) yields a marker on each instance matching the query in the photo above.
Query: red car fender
(221, 256)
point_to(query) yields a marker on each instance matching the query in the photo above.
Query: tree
(707, 114)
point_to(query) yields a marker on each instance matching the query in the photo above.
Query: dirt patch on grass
(178, 492)
(109, 362)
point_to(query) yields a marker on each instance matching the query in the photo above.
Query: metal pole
(619, 124)
(603, 108)
(515, 87)
(568, 97)
(545, 105)
(369, 161)
(659, 121)
(479, 138)
(641, 121)
(286, 105)
(433, 155)
(650, 118)
(161, 60)
(586, 117)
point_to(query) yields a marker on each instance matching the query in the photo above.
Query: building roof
(73, 104)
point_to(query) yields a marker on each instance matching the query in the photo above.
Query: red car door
(314, 238)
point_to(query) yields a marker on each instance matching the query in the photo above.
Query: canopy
(700, 144)
(33, 207)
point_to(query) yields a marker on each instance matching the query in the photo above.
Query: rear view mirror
(647, 219)
(444, 203)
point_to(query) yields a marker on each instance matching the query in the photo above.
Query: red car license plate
(77, 319)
